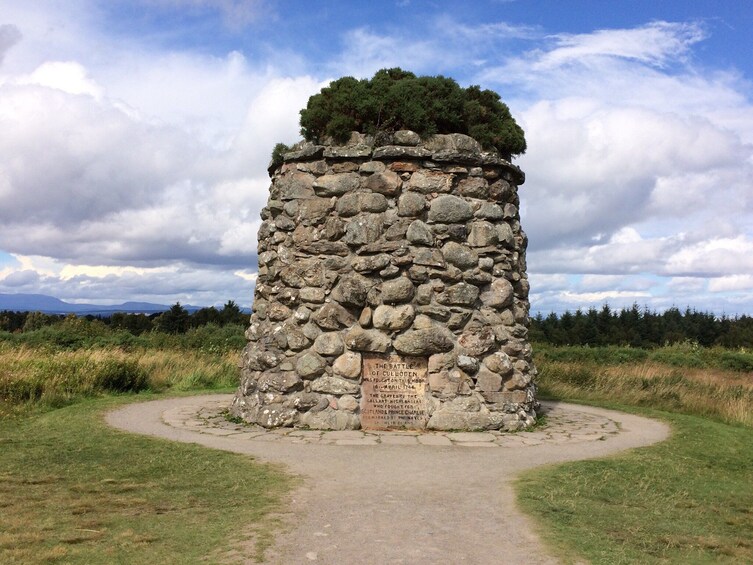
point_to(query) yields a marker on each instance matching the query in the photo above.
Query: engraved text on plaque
(393, 392)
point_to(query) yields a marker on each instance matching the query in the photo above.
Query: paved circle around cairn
(368, 497)
(209, 415)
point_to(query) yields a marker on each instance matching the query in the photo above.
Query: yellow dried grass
(724, 395)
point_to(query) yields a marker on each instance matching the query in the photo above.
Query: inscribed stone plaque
(393, 392)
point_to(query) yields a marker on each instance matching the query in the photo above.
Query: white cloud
(98, 185)
(637, 163)
(624, 253)
(365, 52)
(161, 284)
(657, 43)
(715, 257)
(615, 282)
(731, 283)
(67, 76)
(543, 282)
(596, 168)
(604, 296)
(44, 265)
(627, 253)
(494, 31)
(685, 285)
(204, 95)
(446, 45)
(272, 117)
(68, 158)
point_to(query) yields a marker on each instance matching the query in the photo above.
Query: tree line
(176, 320)
(634, 327)
(637, 327)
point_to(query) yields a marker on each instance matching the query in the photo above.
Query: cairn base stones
(392, 290)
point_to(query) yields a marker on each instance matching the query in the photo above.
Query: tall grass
(55, 365)
(40, 377)
(714, 382)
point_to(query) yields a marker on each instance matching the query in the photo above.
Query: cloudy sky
(134, 137)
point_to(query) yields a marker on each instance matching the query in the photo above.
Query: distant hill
(52, 305)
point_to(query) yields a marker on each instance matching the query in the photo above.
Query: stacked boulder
(398, 247)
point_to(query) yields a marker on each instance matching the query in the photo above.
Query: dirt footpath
(383, 498)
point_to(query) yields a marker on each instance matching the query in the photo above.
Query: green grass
(686, 500)
(76, 334)
(73, 490)
(684, 355)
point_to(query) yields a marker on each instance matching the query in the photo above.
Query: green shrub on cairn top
(395, 99)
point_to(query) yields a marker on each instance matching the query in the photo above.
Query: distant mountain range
(52, 305)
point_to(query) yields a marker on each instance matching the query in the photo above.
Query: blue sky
(134, 137)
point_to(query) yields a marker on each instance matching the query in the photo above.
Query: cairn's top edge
(404, 145)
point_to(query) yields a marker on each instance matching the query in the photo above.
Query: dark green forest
(176, 320)
(637, 327)
(206, 329)
(632, 327)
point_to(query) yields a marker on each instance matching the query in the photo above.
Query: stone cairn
(392, 290)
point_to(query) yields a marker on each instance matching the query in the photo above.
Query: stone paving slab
(561, 426)
(432, 439)
(397, 440)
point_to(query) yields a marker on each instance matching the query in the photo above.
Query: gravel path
(400, 497)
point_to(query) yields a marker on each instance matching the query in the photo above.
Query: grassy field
(715, 383)
(74, 491)
(686, 500)
(29, 379)
(56, 366)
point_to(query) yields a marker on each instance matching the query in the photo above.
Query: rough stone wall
(391, 247)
